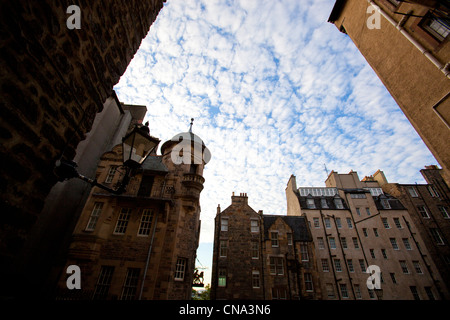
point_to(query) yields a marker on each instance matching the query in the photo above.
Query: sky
(274, 90)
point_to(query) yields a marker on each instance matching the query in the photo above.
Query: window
(338, 222)
(337, 265)
(357, 291)
(304, 252)
(344, 291)
(274, 239)
(394, 280)
(437, 26)
(122, 221)
(223, 247)
(368, 211)
(358, 212)
(308, 282)
(385, 204)
(130, 284)
(111, 173)
(350, 265)
(180, 269)
(344, 242)
(371, 293)
(414, 292)
(289, 238)
(406, 243)
(423, 212)
(432, 191)
(255, 279)
(365, 232)
(355, 242)
(385, 223)
(323, 203)
(372, 253)
(362, 265)
(349, 223)
(332, 242)
(276, 266)
(397, 223)
(330, 291)
(316, 223)
(404, 266)
(338, 203)
(310, 204)
(357, 196)
(429, 293)
(394, 2)
(103, 283)
(279, 294)
(412, 192)
(146, 222)
(325, 266)
(383, 253)
(255, 250)
(254, 225)
(321, 243)
(94, 216)
(436, 236)
(327, 223)
(444, 212)
(394, 243)
(222, 281)
(375, 232)
(224, 224)
(417, 267)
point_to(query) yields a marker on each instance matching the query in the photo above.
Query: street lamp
(136, 146)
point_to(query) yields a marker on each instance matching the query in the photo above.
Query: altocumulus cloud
(275, 90)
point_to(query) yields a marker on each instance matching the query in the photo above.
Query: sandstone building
(410, 53)
(261, 257)
(53, 82)
(141, 244)
(355, 224)
(429, 208)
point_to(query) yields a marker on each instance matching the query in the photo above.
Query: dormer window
(323, 203)
(338, 202)
(310, 203)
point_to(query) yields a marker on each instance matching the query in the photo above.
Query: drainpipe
(443, 68)
(148, 257)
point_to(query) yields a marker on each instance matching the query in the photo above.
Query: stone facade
(54, 81)
(354, 224)
(410, 53)
(142, 244)
(258, 256)
(429, 207)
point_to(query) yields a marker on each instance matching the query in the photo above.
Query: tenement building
(260, 257)
(406, 44)
(429, 208)
(141, 244)
(354, 224)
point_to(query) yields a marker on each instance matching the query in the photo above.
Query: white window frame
(224, 224)
(95, 214)
(254, 225)
(180, 269)
(394, 243)
(122, 221)
(145, 224)
(274, 239)
(111, 174)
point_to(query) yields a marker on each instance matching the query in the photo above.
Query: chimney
(241, 199)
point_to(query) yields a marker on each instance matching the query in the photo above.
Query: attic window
(338, 203)
(310, 203)
(323, 203)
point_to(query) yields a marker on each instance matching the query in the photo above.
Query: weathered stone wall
(53, 81)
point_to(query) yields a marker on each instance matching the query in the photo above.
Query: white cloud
(275, 90)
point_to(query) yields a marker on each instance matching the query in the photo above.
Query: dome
(186, 140)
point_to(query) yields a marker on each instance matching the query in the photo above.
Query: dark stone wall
(53, 81)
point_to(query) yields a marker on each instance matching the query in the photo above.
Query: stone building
(429, 208)
(141, 244)
(406, 44)
(53, 82)
(261, 257)
(354, 225)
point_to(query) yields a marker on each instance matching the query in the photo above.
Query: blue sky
(275, 90)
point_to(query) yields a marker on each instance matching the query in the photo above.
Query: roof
(154, 163)
(297, 223)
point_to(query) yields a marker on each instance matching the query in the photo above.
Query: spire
(192, 123)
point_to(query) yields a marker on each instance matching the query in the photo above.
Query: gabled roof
(154, 163)
(297, 223)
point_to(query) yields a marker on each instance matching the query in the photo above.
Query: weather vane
(192, 123)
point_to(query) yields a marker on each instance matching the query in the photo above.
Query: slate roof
(154, 163)
(297, 223)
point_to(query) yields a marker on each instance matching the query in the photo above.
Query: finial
(192, 122)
